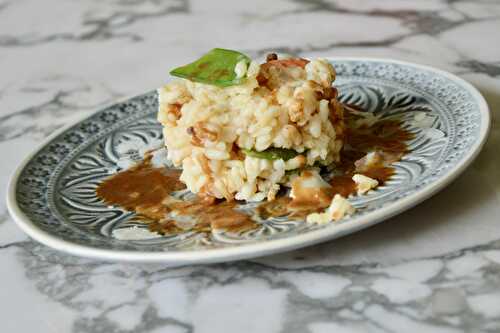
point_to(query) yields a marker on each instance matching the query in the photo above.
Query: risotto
(244, 139)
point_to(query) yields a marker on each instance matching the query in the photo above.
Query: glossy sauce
(343, 185)
(147, 190)
(387, 137)
(214, 215)
(285, 206)
(309, 192)
(141, 189)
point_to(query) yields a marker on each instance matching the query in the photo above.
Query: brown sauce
(309, 192)
(216, 215)
(343, 185)
(164, 227)
(386, 137)
(285, 206)
(276, 208)
(141, 189)
(147, 190)
(382, 173)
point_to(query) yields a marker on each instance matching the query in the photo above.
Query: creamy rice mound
(208, 130)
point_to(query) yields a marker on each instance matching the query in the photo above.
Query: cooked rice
(205, 128)
(364, 183)
(339, 207)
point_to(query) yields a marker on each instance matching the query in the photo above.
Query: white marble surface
(435, 268)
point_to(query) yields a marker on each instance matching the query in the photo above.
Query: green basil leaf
(215, 67)
(272, 153)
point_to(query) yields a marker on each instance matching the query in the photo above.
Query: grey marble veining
(435, 268)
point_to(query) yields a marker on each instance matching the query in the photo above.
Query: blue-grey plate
(52, 194)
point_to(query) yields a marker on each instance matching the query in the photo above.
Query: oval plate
(51, 195)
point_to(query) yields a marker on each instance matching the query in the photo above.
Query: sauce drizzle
(386, 138)
(141, 188)
(147, 190)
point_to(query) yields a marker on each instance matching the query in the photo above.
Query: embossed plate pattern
(52, 194)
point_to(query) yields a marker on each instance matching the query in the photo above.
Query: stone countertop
(435, 268)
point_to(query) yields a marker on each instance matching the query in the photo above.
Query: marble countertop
(435, 268)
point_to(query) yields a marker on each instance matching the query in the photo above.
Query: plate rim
(267, 247)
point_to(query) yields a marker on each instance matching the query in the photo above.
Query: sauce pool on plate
(146, 190)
